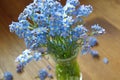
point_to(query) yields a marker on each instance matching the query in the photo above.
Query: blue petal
(105, 60)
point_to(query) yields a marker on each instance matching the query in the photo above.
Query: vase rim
(67, 59)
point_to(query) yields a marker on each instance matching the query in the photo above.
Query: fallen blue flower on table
(94, 53)
(8, 76)
(20, 68)
(92, 41)
(43, 74)
(105, 60)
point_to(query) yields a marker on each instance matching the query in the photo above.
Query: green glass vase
(68, 69)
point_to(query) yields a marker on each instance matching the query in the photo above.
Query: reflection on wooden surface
(106, 13)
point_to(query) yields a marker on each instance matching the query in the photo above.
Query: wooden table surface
(106, 13)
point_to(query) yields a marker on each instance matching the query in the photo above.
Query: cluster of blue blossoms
(45, 19)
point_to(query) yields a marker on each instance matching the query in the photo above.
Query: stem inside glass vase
(68, 69)
(64, 52)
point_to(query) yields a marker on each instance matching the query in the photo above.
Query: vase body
(68, 69)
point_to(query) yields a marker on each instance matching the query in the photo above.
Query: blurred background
(106, 13)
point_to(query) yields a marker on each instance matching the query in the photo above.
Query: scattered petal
(92, 41)
(94, 53)
(43, 74)
(8, 76)
(20, 68)
(105, 60)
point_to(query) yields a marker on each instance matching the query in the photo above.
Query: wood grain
(106, 13)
